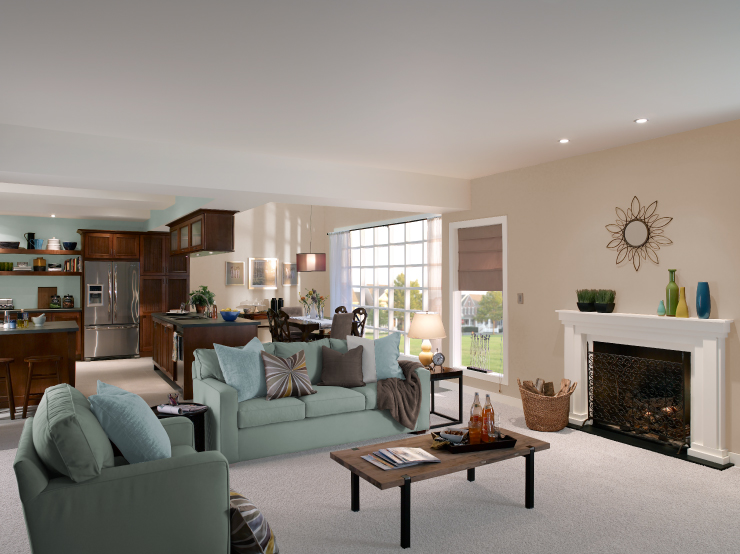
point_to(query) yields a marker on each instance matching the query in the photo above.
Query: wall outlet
(520, 298)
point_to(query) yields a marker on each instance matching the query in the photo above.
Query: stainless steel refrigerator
(111, 306)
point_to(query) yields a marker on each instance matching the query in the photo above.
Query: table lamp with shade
(426, 326)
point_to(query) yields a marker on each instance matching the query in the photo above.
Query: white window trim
(455, 299)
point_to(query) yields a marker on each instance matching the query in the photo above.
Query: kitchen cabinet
(163, 337)
(202, 232)
(70, 316)
(102, 245)
(153, 249)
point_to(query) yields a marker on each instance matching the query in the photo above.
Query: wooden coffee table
(450, 463)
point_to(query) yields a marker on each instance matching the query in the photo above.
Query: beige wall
(557, 241)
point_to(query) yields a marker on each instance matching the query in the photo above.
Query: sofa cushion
(312, 351)
(242, 369)
(342, 370)
(207, 362)
(370, 392)
(260, 411)
(340, 345)
(68, 437)
(333, 400)
(130, 423)
(369, 373)
(386, 357)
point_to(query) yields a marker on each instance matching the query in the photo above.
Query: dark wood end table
(447, 374)
(199, 424)
(449, 463)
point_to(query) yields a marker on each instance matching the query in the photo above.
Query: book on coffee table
(397, 458)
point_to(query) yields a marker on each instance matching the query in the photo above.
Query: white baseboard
(734, 458)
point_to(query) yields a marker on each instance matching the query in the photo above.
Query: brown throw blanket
(402, 398)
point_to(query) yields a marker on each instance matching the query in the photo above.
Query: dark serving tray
(505, 442)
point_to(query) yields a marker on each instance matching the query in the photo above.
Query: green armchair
(180, 504)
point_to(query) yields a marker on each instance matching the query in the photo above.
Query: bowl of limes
(229, 315)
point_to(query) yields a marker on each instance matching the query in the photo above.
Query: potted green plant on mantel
(586, 299)
(202, 298)
(604, 301)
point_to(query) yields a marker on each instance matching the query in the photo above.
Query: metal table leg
(471, 474)
(529, 480)
(459, 398)
(355, 492)
(406, 512)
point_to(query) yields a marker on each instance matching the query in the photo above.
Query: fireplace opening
(642, 392)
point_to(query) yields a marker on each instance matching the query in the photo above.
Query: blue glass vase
(703, 301)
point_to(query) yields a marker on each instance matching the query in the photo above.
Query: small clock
(437, 360)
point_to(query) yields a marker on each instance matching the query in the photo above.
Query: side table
(447, 374)
(199, 424)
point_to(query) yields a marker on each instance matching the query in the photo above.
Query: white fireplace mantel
(703, 338)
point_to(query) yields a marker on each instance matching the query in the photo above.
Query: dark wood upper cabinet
(98, 245)
(125, 246)
(203, 231)
(154, 254)
(109, 245)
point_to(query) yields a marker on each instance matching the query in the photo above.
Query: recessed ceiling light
(564, 141)
(52, 215)
(641, 120)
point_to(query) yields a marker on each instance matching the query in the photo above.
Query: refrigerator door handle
(115, 292)
(110, 291)
(103, 327)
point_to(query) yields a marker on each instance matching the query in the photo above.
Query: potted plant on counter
(202, 298)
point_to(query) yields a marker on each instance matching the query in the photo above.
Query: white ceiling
(66, 202)
(462, 89)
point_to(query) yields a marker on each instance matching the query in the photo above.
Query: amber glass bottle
(488, 414)
(476, 421)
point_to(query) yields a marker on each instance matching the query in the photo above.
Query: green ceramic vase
(671, 294)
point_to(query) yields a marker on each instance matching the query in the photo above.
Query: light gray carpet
(592, 495)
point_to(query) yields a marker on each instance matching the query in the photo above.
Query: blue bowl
(69, 245)
(229, 316)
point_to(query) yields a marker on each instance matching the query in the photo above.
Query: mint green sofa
(258, 428)
(128, 508)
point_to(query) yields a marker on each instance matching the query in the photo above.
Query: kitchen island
(51, 339)
(192, 332)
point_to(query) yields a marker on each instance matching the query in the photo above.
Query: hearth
(639, 391)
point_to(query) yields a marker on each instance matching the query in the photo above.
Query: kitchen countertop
(202, 322)
(18, 310)
(48, 327)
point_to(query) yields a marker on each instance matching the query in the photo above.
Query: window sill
(490, 377)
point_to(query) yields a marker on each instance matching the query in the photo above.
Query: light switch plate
(520, 298)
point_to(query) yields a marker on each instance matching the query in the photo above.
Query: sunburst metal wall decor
(638, 233)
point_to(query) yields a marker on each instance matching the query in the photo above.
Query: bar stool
(37, 376)
(8, 385)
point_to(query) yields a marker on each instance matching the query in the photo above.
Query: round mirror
(636, 233)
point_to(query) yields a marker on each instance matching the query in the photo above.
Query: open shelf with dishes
(29, 252)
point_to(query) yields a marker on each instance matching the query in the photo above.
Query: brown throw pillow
(342, 370)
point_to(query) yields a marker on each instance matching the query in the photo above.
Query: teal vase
(703, 300)
(661, 308)
(671, 294)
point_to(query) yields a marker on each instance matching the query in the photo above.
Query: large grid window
(390, 278)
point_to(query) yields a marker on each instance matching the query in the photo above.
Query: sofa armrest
(136, 508)
(422, 423)
(221, 428)
(180, 431)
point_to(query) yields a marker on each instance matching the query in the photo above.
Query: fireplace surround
(704, 339)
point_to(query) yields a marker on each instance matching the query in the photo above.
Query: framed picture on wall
(290, 275)
(235, 273)
(263, 273)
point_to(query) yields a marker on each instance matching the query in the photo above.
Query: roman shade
(480, 260)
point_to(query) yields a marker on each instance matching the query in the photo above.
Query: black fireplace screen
(638, 396)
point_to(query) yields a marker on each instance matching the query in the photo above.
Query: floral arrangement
(313, 297)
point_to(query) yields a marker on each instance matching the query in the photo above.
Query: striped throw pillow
(250, 532)
(286, 376)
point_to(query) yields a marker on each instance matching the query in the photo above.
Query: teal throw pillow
(386, 357)
(243, 369)
(130, 424)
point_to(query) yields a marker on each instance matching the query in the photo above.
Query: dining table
(308, 325)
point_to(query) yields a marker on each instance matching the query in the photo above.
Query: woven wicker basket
(545, 413)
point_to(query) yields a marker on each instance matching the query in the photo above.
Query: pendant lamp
(310, 261)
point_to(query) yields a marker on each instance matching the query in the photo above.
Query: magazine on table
(397, 458)
(180, 409)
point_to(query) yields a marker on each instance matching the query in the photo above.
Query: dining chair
(340, 310)
(359, 316)
(342, 325)
(280, 327)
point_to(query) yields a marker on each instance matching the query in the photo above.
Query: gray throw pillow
(342, 370)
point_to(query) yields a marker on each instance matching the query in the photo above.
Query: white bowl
(39, 321)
